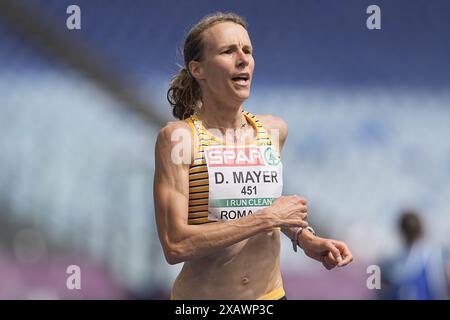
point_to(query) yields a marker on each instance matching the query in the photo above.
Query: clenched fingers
(347, 256)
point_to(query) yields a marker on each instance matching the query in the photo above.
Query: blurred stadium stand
(80, 110)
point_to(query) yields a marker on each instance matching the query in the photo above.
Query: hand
(329, 252)
(289, 211)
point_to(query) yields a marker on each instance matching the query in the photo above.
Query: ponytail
(183, 95)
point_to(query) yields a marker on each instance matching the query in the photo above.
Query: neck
(222, 117)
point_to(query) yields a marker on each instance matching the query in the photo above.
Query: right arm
(181, 241)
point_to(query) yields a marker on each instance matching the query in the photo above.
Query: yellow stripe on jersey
(199, 169)
(197, 183)
(202, 189)
(197, 209)
(195, 215)
(199, 196)
(199, 221)
(198, 202)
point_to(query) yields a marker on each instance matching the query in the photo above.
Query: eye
(228, 51)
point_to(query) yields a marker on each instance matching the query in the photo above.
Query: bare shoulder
(272, 122)
(175, 140)
(173, 131)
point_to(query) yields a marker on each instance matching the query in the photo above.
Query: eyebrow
(234, 46)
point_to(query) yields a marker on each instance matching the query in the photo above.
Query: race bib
(242, 180)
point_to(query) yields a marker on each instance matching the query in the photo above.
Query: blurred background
(368, 112)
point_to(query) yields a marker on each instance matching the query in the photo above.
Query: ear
(196, 70)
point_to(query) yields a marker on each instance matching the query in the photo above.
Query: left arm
(329, 252)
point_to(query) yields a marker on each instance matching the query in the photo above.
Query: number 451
(248, 190)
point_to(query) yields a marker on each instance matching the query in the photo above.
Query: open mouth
(241, 79)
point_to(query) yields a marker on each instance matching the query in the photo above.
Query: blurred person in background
(420, 272)
(203, 211)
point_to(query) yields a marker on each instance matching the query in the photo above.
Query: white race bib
(242, 180)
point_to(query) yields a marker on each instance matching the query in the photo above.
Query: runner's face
(227, 64)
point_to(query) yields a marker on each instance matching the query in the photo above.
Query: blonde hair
(184, 93)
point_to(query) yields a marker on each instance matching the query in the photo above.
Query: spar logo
(234, 156)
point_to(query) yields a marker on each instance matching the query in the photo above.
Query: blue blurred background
(368, 111)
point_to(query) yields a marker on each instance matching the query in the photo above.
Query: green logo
(271, 157)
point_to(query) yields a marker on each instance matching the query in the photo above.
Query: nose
(242, 59)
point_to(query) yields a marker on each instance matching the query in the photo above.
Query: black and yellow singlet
(198, 171)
